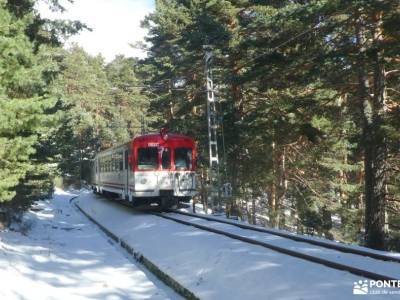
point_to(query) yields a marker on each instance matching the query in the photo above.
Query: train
(156, 169)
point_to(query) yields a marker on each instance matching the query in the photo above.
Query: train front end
(164, 167)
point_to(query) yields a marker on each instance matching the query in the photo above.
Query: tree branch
(391, 72)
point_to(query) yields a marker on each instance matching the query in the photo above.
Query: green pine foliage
(287, 75)
(29, 63)
(127, 97)
(100, 106)
(24, 119)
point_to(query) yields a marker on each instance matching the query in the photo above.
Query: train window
(126, 159)
(166, 158)
(120, 161)
(147, 158)
(183, 158)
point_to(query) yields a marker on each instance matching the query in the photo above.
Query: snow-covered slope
(64, 256)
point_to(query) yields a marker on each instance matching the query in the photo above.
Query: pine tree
(126, 91)
(24, 104)
(83, 93)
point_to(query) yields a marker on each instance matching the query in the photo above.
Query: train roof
(157, 137)
(152, 138)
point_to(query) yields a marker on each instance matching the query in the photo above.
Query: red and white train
(150, 169)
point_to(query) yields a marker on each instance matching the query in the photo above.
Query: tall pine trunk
(283, 186)
(273, 195)
(237, 115)
(374, 144)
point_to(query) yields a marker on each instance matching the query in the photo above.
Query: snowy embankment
(217, 267)
(60, 254)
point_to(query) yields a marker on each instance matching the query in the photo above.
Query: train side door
(97, 174)
(126, 172)
(120, 167)
(130, 177)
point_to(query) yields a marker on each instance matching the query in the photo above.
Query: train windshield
(147, 158)
(183, 158)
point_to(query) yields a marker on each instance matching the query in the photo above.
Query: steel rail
(310, 258)
(338, 247)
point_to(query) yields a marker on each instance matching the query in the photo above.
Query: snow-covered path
(64, 256)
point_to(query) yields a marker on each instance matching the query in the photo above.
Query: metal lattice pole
(214, 188)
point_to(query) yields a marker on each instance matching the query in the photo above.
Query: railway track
(312, 253)
(212, 224)
(295, 237)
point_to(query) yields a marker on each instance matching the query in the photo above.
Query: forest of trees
(58, 107)
(308, 99)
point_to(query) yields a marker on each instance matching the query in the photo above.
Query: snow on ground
(64, 256)
(387, 268)
(201, 211)
(217, 267)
